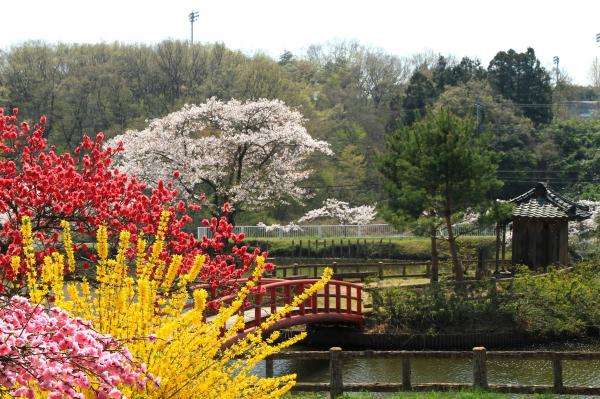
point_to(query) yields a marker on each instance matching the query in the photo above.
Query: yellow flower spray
(192, 357)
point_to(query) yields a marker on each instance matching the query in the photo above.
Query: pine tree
(436, 168)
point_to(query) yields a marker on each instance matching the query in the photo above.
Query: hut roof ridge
(541, 196)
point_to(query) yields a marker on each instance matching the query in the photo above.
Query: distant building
(540, 227)
(583, 109)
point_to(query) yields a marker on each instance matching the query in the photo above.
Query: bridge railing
(478, 355)
(338, 301)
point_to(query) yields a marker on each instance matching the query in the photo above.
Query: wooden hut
(540, 227)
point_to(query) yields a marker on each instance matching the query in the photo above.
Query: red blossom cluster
(223, 270)
(82, 188)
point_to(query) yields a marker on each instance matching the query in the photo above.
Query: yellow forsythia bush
(189, 356)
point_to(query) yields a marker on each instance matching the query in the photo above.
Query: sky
(480, 29)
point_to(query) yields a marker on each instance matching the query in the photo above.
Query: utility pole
(478, 114)
(193, 18)
(555, 60)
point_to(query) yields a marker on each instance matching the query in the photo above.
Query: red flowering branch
(84, 189)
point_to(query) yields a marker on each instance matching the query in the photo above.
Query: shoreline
(326, 337)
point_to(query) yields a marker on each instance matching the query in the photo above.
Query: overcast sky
(471, 28)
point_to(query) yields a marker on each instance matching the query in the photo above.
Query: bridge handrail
(276, 283)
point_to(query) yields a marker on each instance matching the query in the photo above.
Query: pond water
(452, 370)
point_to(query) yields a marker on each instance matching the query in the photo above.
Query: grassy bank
(557, 304)
(413, 248)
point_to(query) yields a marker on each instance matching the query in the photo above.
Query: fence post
(493, 293)
(479, 368)
(380, 269)
(336, 384)
(269, 367)
(497, 267)
(406, 372)
(295, 269)
(557, 373)
(334, 266)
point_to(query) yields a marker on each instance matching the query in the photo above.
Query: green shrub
(554, 304)
(558, 303)
(436, 308)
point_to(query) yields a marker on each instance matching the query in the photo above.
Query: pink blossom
(59, 354)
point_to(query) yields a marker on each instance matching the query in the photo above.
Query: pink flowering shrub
(49, 351)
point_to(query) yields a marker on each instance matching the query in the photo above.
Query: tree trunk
(434, 277)
(456, 263)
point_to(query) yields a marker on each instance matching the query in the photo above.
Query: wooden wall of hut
(540, 242)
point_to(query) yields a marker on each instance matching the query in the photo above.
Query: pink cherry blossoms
(52, 352)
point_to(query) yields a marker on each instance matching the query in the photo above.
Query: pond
(452, 370)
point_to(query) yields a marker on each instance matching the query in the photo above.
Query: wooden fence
(381, 269)
(336, 387)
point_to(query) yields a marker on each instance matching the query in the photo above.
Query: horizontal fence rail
(478, 356)
(367, 230)
(381, 269)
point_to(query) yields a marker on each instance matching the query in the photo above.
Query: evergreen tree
(520, 78)
(419, 94)
(436, 168)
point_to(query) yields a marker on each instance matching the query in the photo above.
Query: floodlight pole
(193, 18)
(555, 61)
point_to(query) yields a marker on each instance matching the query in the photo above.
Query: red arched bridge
(339, 302)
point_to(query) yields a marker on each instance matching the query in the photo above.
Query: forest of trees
(351, 96)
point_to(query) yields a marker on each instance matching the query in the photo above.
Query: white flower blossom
(252, 154)
(277, 227)
(342, 212)
(586, 227)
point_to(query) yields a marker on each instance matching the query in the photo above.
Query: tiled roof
(535, 209)
(541, 202)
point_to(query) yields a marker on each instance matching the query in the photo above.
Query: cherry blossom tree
(250, 154)
(84, 189)
(342, 212)
(583, 235)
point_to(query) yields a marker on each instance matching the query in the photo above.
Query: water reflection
(505, 371)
